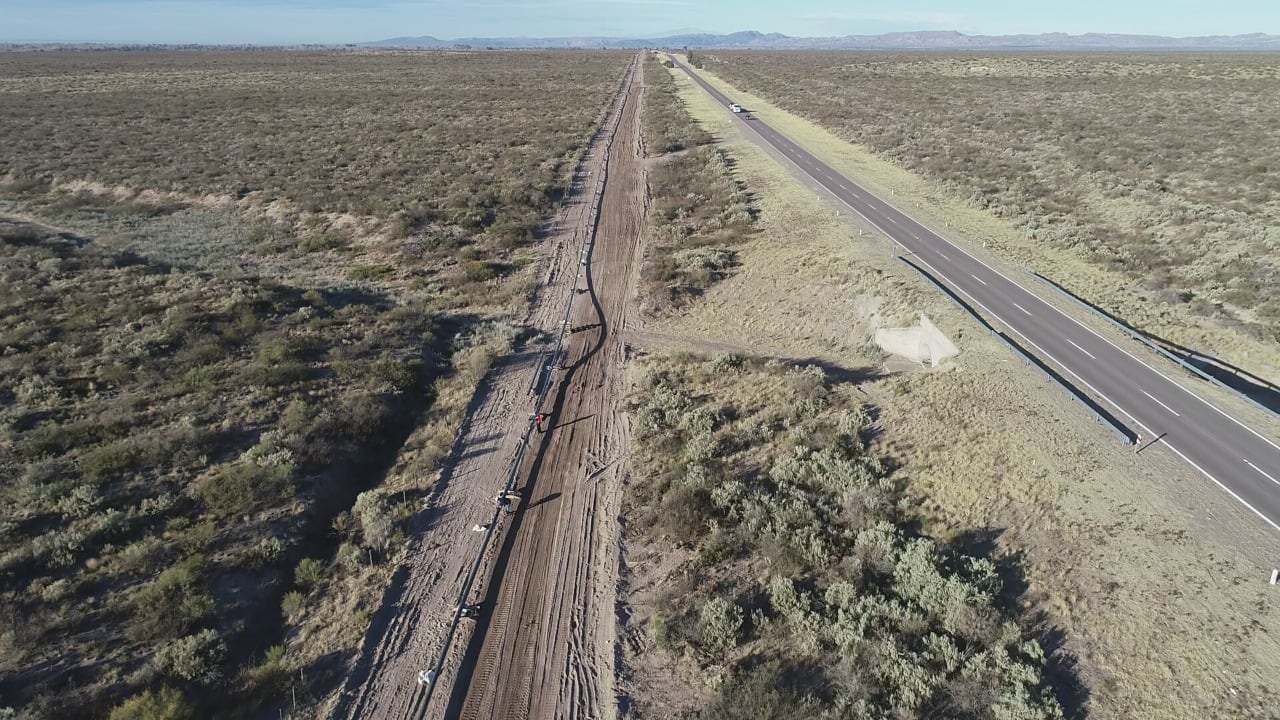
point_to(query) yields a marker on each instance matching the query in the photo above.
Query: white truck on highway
(735, 107)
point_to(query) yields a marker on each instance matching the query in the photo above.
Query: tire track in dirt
(411, 626)
(544, 643)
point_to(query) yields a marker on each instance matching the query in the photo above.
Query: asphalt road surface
(1236, 457)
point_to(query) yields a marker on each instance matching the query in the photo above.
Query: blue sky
(335, 21)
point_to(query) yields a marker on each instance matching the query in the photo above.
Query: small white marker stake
(1275, 575)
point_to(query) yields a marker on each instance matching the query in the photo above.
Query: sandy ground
(543, 643)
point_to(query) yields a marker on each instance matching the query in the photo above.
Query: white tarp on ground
(924, 343)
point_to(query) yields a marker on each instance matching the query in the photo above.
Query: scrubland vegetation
(246, 280)
(801, 586)
(474, 140)
(1163, 169)
(697, 212)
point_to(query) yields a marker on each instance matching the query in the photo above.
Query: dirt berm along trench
(544, 642)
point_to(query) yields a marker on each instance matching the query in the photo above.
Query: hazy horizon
(353, 21)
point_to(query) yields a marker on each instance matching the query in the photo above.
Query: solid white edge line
(1024, 310)
(1157, 401)
(1109, 401)
(1086, 352)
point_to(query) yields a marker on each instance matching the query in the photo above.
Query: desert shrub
(320, 240)
(684, 512)
(293, 605)
(370, 272)
(194, 658)
(245, 486)
(108, 461)
(80, 502)
(308, 573)
(721, 625)
(271, 675)
(765, 692)
(373, 513)
(167, 704)
(202, 377)
(174, 602)
(478, 271)
(400, 376)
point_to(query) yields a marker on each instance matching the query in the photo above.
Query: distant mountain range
(925, 40)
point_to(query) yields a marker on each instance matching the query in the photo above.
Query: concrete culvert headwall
(924, 343)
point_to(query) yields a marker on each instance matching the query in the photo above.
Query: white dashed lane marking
(1262, 472)
(1166, 407)
(1086, 352)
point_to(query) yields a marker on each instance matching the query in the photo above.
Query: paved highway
(1236, 457)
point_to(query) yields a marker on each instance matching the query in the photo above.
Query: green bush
(168, 704)
(174, 603)
(308, 573)
(243, 487)
(293, 605)
(108, 461)
(478, 271)
(322, 240)
(373, 513)
(194, 658)
(271, 676)
(401, 376)
(768, 692)
(721, 626)
(370, 272)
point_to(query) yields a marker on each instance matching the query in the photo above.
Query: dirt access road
(544, 642)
